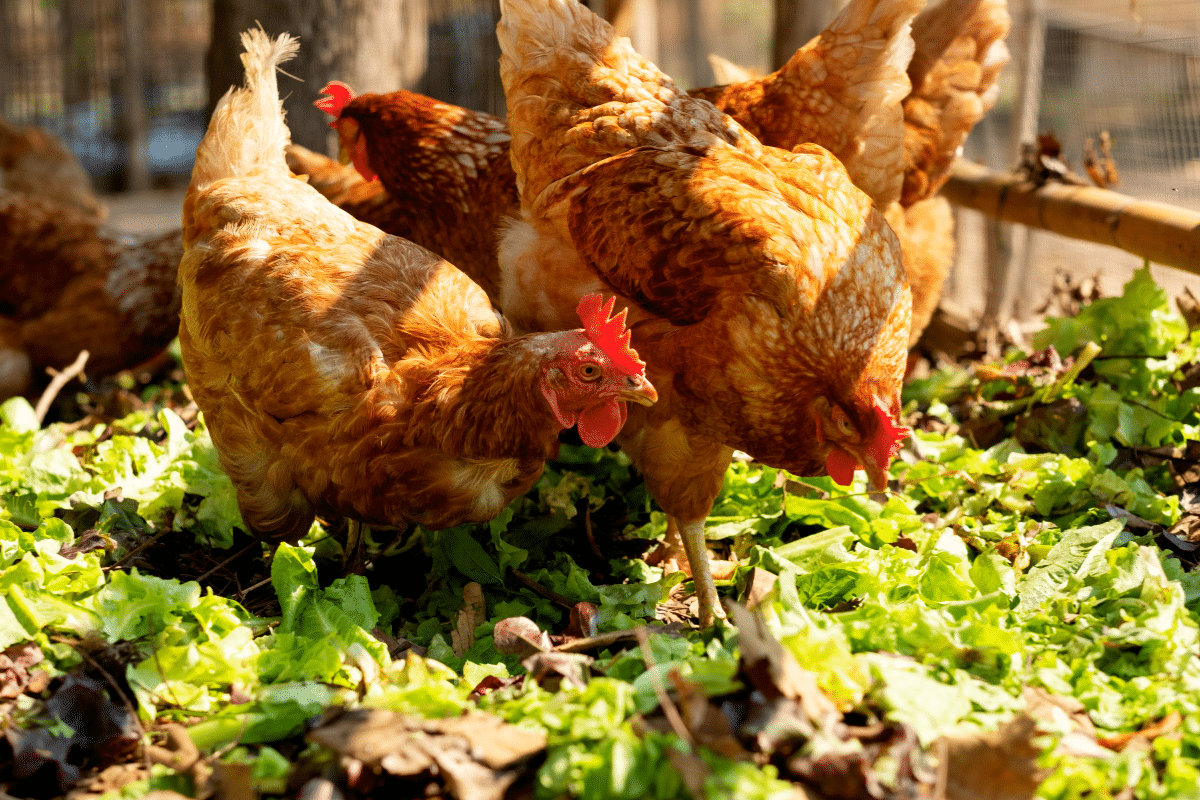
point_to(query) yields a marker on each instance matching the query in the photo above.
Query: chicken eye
(589, 372)
(845, 427)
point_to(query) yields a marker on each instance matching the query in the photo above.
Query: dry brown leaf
(520, 636)
(1152, 731)
(479, 755)
(692, 769)
(1065, 713)
(759, 587)
(1001, 765)
(472, 614)
(707, 725)
(772, 668)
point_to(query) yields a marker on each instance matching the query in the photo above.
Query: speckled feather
(960, 52)
(448, 172)
(759, 278)
(68, 283)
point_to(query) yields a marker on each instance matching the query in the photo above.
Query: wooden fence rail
(1163, 233)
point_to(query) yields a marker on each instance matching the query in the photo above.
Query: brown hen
(450, 165)
(68, 283)
(839, 91)
(766, 293)
(346, 371)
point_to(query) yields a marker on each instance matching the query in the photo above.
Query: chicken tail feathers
(870, 45)
(247, 132)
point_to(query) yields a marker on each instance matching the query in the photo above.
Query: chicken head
(595, 373)
(867, 442)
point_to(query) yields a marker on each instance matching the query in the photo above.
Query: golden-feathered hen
(68, 283)
(765, 291)
(344, 370)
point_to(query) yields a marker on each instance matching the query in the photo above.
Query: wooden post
(643, 33)
(373, 45)
(137, 125)
(1009, 247)
(700, 14)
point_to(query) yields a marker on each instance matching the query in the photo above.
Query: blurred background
(128, 84)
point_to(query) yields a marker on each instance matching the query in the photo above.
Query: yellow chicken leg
(692, 534)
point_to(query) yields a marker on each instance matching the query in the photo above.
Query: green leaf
(469, 557)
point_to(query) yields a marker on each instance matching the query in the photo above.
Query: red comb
(609, 333)
(888, 437)
(339, 96)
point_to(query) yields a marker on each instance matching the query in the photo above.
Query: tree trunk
(797, 21)
(373, 45)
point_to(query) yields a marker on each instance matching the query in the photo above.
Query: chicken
(450, 166)
(960, 51)
(342, 370)
(34, 162)
(67, 284)
(765, 291)
(840, 91)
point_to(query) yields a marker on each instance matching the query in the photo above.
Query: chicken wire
(63, 67)
(1132, 70)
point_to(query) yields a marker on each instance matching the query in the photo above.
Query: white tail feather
(247, 132)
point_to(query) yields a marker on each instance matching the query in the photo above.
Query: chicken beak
(638, 390)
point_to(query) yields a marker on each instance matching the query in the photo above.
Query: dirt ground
(145, 213)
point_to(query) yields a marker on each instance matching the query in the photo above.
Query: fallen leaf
(708, 726)
(1000, 765)
(519, 636)
(759, 586)
(15, 665)
(472, 614)
(1149, 733)
(772, 669)
(571, 667)
(692, 769)
(478, 755)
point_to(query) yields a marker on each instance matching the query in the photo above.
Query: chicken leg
(692, 534)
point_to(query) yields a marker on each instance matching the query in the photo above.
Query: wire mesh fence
(67, 67)
(1132, 70)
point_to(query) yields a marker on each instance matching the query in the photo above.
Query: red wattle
(598, 426)
(841, 465)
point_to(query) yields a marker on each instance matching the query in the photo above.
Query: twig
(230, 559)
(241, 595)
(549, 594)
(125, 558)
(660, 691)
(591, 537)
(129, 706)
(59, 380)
